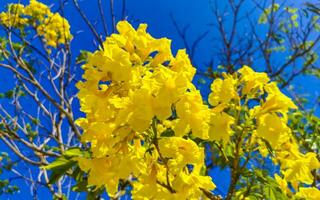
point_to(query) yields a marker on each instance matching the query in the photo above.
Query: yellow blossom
(270, 127)
(223, 90)
(220, 126)
(52, 27)
(253, 81)
(128, 92)
(282, 184)
(13, 17)
(311, 193)
(193, 115)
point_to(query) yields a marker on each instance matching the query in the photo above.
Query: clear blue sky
(157, 15)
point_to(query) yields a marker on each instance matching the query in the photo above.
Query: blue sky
(157, 15)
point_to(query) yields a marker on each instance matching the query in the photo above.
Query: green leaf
(30, 67)
(167, 133)
(269, 147)
(59, 197)
(274, 193)
(59, 163)
(77, 174)
(17, 46)
(59, 168)
(262, 19)
(81, 186)
(95, 194)
(35, 121)
(83, 57)
(73, 152)
(9, 94)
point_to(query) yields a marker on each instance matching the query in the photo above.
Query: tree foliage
(148, 132)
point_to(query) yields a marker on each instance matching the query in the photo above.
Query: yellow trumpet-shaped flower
(52, 27)
(134, 90)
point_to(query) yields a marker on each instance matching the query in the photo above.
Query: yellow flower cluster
(142, 112)
(311, 193)
(271, 125)
(12, 18)
(51, 26)
(270, 119)
(134, 94)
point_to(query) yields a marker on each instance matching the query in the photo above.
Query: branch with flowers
(147, 131)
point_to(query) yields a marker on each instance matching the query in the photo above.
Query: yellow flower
(220, 126)
(193, 115)
(182, 65)
(106, 171)
(126, 87)
(52, 27)
(282, 184)
(55, 30)
(37, 10)
(271, 127)
(299, 169)
(141, 113)
(14, 16)
(223, 91)
(182, 150)
(253, 81)
(311, 193)
(187, 185)
(276, 101)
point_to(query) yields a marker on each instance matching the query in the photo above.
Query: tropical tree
(143, 129)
